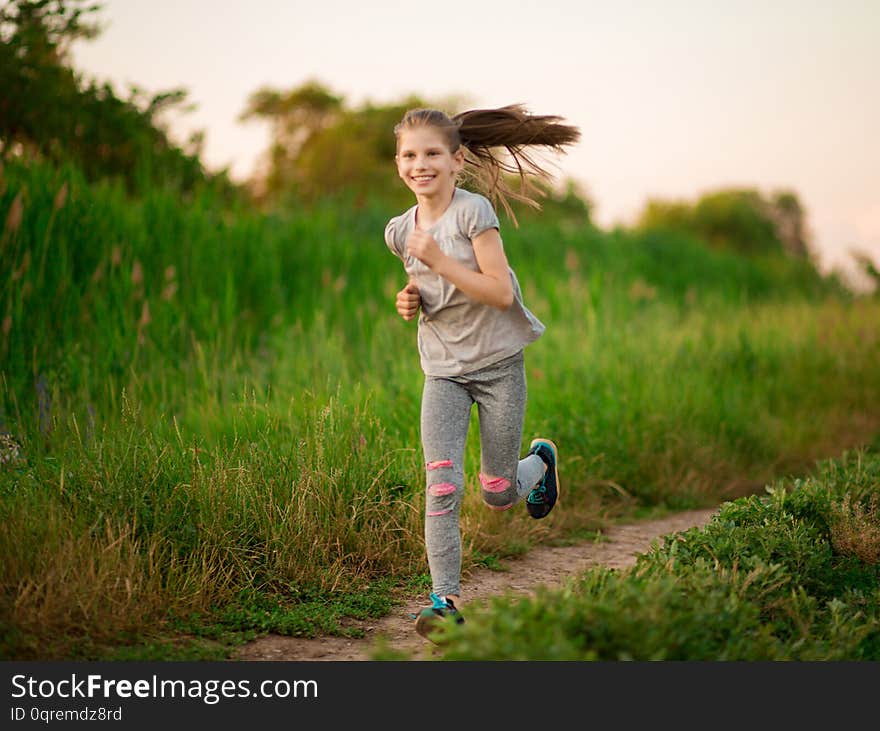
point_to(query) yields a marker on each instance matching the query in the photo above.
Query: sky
(674, 98)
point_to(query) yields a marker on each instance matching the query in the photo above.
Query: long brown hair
(486, 133)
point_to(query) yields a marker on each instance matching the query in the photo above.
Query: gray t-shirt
(458, 335)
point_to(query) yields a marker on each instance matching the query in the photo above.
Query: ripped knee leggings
(499, 391)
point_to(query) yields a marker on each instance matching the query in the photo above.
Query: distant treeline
(321, 147)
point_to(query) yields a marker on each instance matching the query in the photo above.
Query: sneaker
(429, 618)
(542, 498)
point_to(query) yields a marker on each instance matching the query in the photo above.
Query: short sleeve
(479, 216)
(391, 238)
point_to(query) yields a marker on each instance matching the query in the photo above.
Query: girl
(473, 325)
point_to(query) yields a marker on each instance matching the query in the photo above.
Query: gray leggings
(499, 391)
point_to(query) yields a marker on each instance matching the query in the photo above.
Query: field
(211, 412)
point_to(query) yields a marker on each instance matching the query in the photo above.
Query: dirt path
(544, 565)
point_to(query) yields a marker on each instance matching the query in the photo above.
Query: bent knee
(498, 492)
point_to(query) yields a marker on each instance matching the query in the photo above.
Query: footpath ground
(545, 565)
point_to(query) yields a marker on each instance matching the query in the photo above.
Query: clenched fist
(424, 247)
(408, 301)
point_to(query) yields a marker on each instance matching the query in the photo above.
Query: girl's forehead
(421, 137)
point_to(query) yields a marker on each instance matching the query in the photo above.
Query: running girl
(473, 325)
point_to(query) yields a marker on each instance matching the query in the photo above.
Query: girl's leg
(500, 393)
(444, 423)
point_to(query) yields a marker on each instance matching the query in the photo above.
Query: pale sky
(674, 97)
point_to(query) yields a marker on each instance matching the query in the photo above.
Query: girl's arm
(490, 285)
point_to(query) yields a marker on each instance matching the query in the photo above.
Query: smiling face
(425, 162)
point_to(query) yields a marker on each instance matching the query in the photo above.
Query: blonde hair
(484, 133)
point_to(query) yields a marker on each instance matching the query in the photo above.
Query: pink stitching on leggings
(439, 463)
(494, 484)
(442, 488)
(440, 512)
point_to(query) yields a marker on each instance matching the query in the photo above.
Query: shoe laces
(536, 496)
(537, 493)
(438, 602)
(440, 605)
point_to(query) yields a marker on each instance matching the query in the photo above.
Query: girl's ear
(458, 156)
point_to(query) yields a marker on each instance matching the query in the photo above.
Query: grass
(216, 410)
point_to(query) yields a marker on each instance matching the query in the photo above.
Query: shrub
(788, 576)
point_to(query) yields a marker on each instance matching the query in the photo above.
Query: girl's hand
(423, 247)
(408, 301)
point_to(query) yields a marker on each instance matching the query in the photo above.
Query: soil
(544, 565)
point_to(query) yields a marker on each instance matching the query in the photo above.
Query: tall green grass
(215, 403)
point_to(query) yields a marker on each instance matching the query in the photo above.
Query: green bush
(741, 220)
(762, 581)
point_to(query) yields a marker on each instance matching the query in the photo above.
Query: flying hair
(499, 142)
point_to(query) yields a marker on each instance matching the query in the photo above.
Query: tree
(35, 37)
(294, 117)
(321, 147)
(48, 110)
(44, 29)
(787, 213)
(739, 219)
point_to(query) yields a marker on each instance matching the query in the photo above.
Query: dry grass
(855, 528)
(76, 584)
